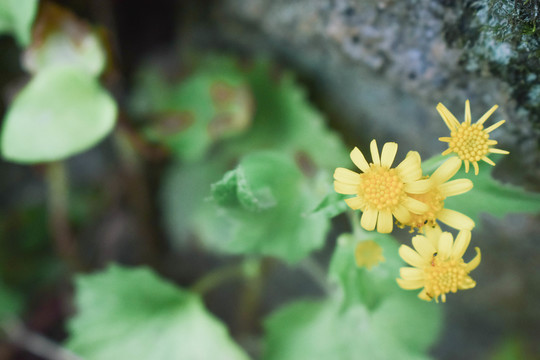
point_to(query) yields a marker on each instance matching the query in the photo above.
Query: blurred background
(370, 68)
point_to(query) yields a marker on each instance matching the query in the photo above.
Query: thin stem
(217, 277)
(58, 204)
(137, 187)
(35, 343)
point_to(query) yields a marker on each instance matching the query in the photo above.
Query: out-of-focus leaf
(185, 194)
(332, 205)
(61, 39)
(284, 119)
(264, 209)
(16, 17)
(402, 327)
(133, 314)
(61, 112)
(490, 196)
(188, 117)
(360, 285)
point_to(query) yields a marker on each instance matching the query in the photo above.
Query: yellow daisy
(438, 264)
(368, 254)
(382, 191)
(441, 189)
(469, 141)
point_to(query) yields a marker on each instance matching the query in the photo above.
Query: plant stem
(57, 202)
(35, 343)
(217, 277)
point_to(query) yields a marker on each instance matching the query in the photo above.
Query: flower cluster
(383, 192)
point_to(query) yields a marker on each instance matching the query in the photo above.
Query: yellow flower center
(441, 277)
(435, 200)
(470, 142)
(382, 189)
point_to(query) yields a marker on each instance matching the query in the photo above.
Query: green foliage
(16, 17)
(80, 48)
(61, 112)
(133, 314)
(493, 197)
(191, 115)
(263, 209)
(360, 285)
(265, 189)
(402, 327)
(285, 120)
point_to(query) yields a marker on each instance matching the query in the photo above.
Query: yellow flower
(434, 199)
(368, 254)
(382, 191)
(438, 264)
(469, 141)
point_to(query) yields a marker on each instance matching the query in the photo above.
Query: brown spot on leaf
(222, 93)
(173, 123)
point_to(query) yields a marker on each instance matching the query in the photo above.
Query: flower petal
(418, 186)
(402, 214)
(455, 187)
(460, 245)
(388, 154)
(369, 219)
(346, 189)
(445, 245)
(415, 206)
(423, 246)
(424, 295)
(410, 273)
(488, 160)
(487, 114)
(410, 284)
(476, 169)
(473, 264)
(355, 203)
(385, 222)
(467, 283)
(359, 160)
(498, 151)
(467, 112)
(455, 219)
(447, 169)
(494, 126)
(411, 257)
(449, 119)
(375, 152)
(346, 176)
(409, 169)
(433, 234)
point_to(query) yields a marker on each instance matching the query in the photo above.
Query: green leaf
(16, 17)
(403, 327)
(360, 285)
(133, 314)
(72, 43)
(61, 112)
(262, 207)
(491, 196)
(190, 116)
(185, 197)
(285, 120)
(332, 204)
